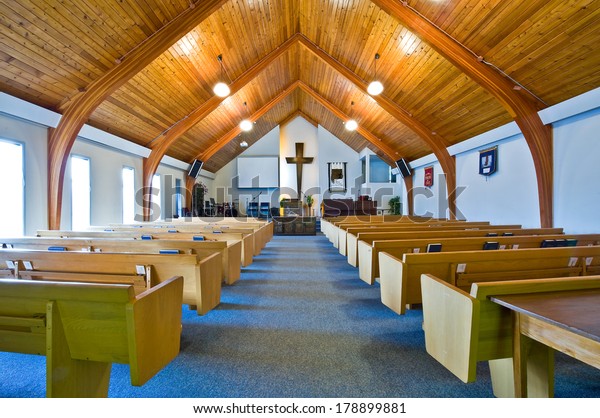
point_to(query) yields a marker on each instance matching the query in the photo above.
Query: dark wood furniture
(348, 207)
(566, 321)
(294, 225)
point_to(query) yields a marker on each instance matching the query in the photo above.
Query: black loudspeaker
(403, 167)
(195, 168)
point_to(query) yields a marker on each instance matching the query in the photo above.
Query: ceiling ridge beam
(83, 105)
(521, 106)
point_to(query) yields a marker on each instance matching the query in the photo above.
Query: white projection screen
(255, 172)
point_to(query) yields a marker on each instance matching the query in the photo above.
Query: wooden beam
(521, 105)
(298, 113)
(437, 144)
(83, 105)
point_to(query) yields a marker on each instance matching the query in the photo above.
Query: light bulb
(246, 125)
(243, 144)
(221, 89)
(375, 88)
(351, 125)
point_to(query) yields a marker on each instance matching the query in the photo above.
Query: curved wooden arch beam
(82, 106)
(522, 106)
(437, 143)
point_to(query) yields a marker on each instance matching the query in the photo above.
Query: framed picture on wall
(487, 161)
(337, 177)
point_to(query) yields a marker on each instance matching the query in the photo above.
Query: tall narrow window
(80, 192)
(12, 210)
(128, 178)
(178, 197)
(156, 199)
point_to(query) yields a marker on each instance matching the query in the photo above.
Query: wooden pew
(82, 328)
(346, 230)
(230, 254)
(368, 254)
(462, 329)
(370, 244)
(400, 279)
(234, 254)
(201, 275)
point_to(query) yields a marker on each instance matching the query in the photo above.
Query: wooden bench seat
(82, 328)
(230, 250)
(202, 275)
(345, 231)
(370, 244)
(462, 329)
(368, 254)
(400, 279)
(247, 246)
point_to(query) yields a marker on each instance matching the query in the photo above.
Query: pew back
(401, 278)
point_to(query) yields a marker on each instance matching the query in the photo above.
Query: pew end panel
(451, 325)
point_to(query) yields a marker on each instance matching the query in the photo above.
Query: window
(12, 210)
(156, 213)
(178, 197)
(80, 192)
(128, 178)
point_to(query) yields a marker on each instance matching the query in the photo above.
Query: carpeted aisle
(299, 323)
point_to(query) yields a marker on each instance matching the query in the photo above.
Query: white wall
(509, 196)
(299, 130)
(577, 173)
(224, 188)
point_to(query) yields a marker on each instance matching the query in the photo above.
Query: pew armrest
(154, 329)
(451, 325)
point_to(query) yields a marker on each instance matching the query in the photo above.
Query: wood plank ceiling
(50, 52)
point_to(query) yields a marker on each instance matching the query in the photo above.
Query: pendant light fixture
(246, 124)
(351, 124)
(221, 89)
(375, 87)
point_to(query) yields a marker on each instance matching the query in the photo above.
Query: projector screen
(254, 172)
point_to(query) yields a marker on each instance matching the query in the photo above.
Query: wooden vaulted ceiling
(320, 57)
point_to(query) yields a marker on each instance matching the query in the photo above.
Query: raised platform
(294, 225)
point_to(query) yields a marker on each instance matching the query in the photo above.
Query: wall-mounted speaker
(195, 168)
(403, 167)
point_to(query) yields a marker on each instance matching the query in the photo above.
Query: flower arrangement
(309, 200)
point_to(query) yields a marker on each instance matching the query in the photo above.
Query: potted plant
(309, 201)
(395, 205)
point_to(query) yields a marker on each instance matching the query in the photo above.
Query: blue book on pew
(57, 249)
(491, 245)
(571, 242)
(491, 234)
(434, 248)
(146, 236)
(217, 232)
(547, 243)
(168, 251)
(198, 238)
(172, 231)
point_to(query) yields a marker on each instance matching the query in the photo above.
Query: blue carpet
(299, 323)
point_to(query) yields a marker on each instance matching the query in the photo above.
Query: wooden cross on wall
(299, 160)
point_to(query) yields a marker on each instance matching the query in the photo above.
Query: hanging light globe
(246, 125)
(375, 88)
(221, 89)
(351, 125)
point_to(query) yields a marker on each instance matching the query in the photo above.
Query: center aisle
(300, 323)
